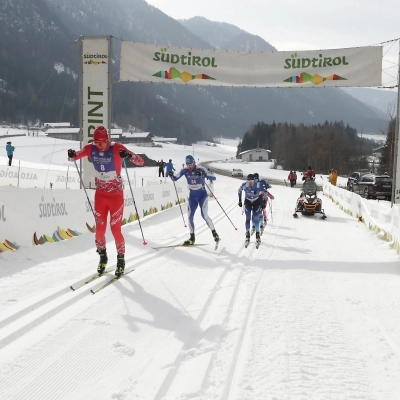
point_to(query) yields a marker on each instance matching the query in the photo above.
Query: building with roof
(255, 155)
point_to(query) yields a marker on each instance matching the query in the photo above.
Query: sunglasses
(100, 142)
(190, 165)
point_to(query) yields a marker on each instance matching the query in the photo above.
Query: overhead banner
(354, 67)
(95, 97)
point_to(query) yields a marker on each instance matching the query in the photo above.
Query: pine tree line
(323, 146)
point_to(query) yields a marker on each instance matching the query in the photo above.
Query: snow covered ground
(313, 314)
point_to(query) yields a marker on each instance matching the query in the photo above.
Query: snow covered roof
(258, 150)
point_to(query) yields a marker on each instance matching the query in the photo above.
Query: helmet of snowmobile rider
(101, 139)
(256, 176)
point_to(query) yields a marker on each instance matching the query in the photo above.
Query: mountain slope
(168, 110)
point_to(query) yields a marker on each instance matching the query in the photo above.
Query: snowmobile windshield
(309, 187)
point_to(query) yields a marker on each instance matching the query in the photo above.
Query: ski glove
(240, 203)
(200, 173)
(124, 154)
(263, 205)
(71, 153)
(171, 173)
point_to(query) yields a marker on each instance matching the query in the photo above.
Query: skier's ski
(258, 242)
(91, 279)
(112, 280)
(246, 243)
(216, 244)
(179, 245)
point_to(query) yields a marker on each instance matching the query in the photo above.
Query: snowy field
(313, 314)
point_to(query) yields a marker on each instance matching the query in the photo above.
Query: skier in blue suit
(263, 186)
(252, 205)
(195, 176)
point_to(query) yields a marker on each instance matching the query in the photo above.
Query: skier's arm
(179, 175)
(84, 152)
(204, 173)
(129, 155)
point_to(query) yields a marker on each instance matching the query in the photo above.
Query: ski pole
(272, 219)
(179, 202)
(220, 205)
(84, 188)
(134, 203)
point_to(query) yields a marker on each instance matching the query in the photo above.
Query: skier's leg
(203, 202)
(192, 207)
(101, 212)
(116, 207)
(247, 212)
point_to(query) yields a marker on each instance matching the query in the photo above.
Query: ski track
(206, 330)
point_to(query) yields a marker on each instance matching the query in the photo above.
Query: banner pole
(396, 159)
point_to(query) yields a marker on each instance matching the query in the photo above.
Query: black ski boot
(103, 261)
(246, 243)
(120, 265)
(190, 241)
(258, 239)
(215, 236)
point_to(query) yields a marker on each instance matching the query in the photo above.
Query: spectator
(161, 165)
(291, 179)
(10, 152)
(333, 174)
(169, 167)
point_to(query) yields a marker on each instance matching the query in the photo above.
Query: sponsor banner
(361, 66)
(378, 216)
(24, 177)
(95, 78)
(32, 217)
(39, 178)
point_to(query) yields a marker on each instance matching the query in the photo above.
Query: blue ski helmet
(190, 159)
(256, 176)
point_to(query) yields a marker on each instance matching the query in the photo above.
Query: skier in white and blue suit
(195, 177)
(253, 200)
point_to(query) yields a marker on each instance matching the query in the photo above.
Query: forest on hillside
(323, 146)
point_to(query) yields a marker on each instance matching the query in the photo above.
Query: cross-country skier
(252, 205)
(109, 196)
(195, 176)
(263, 186)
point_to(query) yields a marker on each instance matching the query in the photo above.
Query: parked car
(237, 172)
(356, 176)
(373, 186)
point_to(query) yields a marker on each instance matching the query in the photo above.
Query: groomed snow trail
(311, 315)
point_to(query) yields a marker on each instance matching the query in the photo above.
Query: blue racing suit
(197, 193)
(253, 198)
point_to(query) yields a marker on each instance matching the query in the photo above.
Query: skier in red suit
(109, 196)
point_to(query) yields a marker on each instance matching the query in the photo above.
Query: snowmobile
(309, 203)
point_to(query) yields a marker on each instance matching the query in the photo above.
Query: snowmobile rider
(109, 196)
(309, 174)
(196, 176)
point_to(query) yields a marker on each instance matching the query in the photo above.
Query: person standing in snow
(109, 196)
(195, 177)
(333, 175)
(161, 165)
(169, 167)
(10, 152)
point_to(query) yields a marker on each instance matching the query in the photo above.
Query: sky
(312, 25)
(313, 314)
